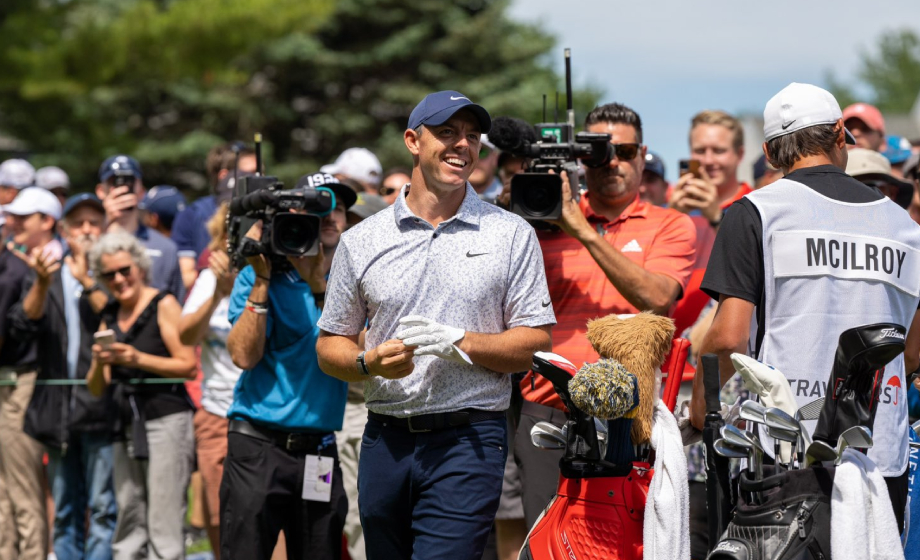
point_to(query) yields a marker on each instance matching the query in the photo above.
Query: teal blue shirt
(286, 390)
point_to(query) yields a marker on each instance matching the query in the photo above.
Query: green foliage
(891, 71)
(165, 80)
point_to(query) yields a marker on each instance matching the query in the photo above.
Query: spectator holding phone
(205, 321)
(153, 463)
(121, 190)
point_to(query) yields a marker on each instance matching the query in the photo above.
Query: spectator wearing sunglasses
(484, 178)
(393, 182)
(154, 457)
(610, 252)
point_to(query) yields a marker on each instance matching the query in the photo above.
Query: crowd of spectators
(134, 353)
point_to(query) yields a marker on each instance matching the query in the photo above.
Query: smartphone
(104, 338)
(125, 181)
(685, 166)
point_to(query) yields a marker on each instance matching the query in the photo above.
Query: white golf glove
(433, 339)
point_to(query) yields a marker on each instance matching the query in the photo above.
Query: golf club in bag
(718, 489)
(598, 511)
(856, 377)
(787, 514)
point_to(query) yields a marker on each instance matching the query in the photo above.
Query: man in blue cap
(453, 292)
(121, 188)
(160, 206)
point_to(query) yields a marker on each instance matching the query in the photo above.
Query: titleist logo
(892, 333)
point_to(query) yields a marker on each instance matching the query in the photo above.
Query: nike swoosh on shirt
(472, 254)
(452, 98)
(787, 125)
(545, 304)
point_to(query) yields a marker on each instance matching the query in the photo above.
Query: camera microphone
(514, 136)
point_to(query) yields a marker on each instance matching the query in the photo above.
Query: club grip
(712, 384)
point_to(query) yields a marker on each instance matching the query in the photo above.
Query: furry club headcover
(640, 343)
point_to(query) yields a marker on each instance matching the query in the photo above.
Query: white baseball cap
(16, 173)
(34, 199)
(358, 163)
(52, 177)
(799, 106)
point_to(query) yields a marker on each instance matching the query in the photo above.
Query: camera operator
(614, 254)
(284, 409)
(451, 287)
(121, 189)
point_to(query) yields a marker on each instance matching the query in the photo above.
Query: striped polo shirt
(659, 240)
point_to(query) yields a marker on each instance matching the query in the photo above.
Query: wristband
(95, 287)
(257, 310)
(319, 296)
(266, 278)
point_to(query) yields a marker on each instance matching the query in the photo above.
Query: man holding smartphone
(121, 189)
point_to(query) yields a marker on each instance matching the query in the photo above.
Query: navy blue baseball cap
(163, 200)
(437, 108)
(654, 163)
(79, 200)
(119, 165)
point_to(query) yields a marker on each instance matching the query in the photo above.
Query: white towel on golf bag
(862, 521)
(666, 533)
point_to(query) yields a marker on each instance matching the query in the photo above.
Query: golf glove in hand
(433, 339)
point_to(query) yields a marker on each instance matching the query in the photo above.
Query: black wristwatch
(362, 365)
(95, 287)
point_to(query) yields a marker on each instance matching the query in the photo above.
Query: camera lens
(540, 199)
(294, 234)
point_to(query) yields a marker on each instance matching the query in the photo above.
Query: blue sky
(670, 59)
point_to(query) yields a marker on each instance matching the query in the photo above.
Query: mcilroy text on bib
(852, 257)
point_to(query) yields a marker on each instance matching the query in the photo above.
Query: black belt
(291, 441)
(438, 420)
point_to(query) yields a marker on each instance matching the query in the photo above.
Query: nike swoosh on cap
(787, 125)
(452, 98)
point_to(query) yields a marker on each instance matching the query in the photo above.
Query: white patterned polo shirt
(481, 271)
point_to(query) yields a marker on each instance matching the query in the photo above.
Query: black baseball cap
(654, 163)
(119, 165)
(80, 199)
(344, 195)
(437, 108)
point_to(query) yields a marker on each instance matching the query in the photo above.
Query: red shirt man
(614, 254)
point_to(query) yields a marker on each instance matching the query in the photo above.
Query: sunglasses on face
(387, 191)
(110, 275)
(623, 152)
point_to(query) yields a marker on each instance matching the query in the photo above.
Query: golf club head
(787, 436)
(547, 436)
(777, 418)
(810, 411)
(740, 438)
(859, 437)
(818, 452)
(729, 451)
(752, 411)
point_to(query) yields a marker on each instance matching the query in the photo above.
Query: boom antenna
(568, 88)
(258, 141)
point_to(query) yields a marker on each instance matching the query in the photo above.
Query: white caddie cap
(52, 177)
(799, 106)
(16, 173)
(359, 164)
(31, 200)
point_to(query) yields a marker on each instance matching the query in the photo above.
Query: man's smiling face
(448, 153)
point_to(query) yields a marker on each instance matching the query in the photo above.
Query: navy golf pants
(430, 495)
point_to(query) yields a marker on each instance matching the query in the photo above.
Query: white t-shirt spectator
(220, 374)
